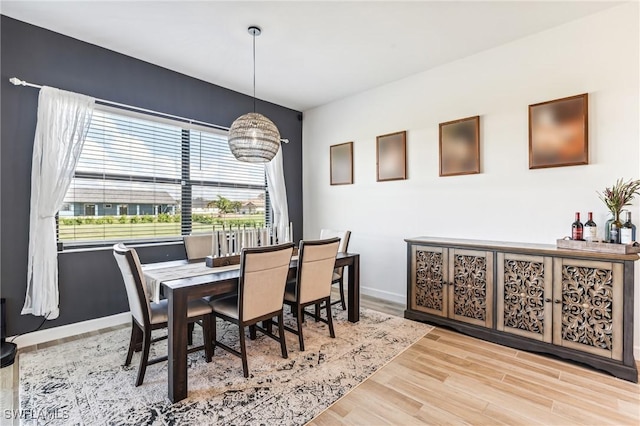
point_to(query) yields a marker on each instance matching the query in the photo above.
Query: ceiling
(309, 53)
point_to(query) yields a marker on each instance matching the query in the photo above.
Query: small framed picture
(559, 133)
(341, 163)
(391, 156)
(460, 147)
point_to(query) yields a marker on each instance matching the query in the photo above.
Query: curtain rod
(17, 82)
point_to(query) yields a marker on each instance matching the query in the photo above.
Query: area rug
(84, 383)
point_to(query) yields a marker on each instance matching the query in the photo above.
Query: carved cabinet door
(471, 286)
(525, 288)
(587, 306)
(428, 280)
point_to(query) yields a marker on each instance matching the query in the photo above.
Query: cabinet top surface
(530, 248)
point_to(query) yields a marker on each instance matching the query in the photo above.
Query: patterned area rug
(83, 382)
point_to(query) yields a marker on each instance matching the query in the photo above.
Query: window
(145, 178)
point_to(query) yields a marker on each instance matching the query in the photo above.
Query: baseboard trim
(385, 295)
(49, 334)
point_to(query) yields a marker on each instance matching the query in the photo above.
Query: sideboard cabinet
(575, 305)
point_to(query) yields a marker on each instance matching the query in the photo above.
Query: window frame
(185, 182)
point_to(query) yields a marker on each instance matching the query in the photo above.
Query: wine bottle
(628, 230)
(614, 230)
(577, 228)
(607, 227)
(590, 231)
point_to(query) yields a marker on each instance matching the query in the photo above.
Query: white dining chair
(338, 273)
(312, 284)
(147, 316)
(198, 246)
(263, 276)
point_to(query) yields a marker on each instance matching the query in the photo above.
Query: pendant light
(254, 138)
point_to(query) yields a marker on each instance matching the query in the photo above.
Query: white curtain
(63, 121)
(278, 194)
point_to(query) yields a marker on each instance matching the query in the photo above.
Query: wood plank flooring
(449, 378)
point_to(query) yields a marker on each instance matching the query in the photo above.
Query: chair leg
(135, 338)
(327, 304)
(342, 300)
(317, 312)
(190, 333)
(283, 341)
(214, 322)
(300, 317)
(243, 353)
(146, 344)
(252, 332)
(206, 337)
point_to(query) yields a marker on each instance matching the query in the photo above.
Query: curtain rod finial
(17, 82)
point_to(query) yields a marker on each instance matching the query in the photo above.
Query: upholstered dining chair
(147, 316)
(198, 246)
(263, 276)
(338, 276)
(312, 285)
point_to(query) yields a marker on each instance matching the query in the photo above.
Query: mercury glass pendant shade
(253, 138)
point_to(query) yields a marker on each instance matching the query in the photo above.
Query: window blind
(144, 178)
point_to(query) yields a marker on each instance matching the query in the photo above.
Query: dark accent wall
(90, 284)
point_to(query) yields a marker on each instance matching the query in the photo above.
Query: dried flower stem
(620, 195)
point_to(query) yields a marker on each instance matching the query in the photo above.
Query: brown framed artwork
(559, 132)
(391, 156)
(341, 163)
(460, 147)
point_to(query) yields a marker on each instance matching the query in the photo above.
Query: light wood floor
(449, 378)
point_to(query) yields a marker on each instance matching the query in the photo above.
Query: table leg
(353, 296)
(177, 345)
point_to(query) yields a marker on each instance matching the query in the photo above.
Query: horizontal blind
(133, 176)
(224, 190)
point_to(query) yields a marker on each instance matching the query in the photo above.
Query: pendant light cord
(254, 72)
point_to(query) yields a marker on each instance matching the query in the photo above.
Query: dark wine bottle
(590, 231)
(628, 230)
(577, 228)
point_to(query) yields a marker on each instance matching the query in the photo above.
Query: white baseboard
(49, 334)
(385, 295)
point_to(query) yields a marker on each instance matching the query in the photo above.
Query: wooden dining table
(180, 290)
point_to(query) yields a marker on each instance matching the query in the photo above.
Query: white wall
(598, 54)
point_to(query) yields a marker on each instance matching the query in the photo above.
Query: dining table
(180, 281)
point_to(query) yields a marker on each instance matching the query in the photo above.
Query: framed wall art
(558, 133)
(341, 163)
(391, 156)
(460, 147)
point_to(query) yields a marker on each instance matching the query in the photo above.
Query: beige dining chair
(198, 246)
(147, 316)
(312, 285)
(263, 276)
(338, 273)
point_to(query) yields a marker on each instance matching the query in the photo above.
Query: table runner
(155, 277)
